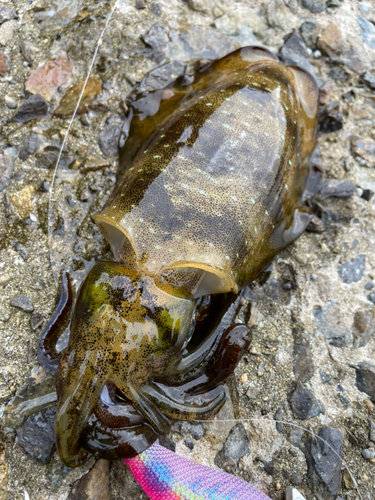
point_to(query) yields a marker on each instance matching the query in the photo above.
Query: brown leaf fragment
(46, 79)
(70, 99)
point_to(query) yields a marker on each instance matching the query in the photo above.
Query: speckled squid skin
(214, 177)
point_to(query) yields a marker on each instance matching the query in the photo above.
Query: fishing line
(68, 130)
(292, 425)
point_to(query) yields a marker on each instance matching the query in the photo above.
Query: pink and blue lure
(163, 475)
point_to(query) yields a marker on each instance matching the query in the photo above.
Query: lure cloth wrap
(163, 475)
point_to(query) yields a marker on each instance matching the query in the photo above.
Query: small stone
(294, 52)
(331, 117)
(200, 5)
(253, 392)
(371, 297)
(57, 15)
(7, 31)
(279, 15)
(37, 435)
(189, 443)
(5, 315)
(364, 147)
(34, 107)
(331, 41)
(303, 365)
(261, 369)
(22, 302)
(109, 136)
(140, 5)
(356, 58)
(23, 200)
(277, 486)
(6, 14)
(22, 251)
(324, 466)
(49, 157)
(36, 320)
(327, 319)
(69, 101)
(317, 54)
(95, 485)
(365, 379)
(3, 63)
(4, 280)
(235, 447)
(314, 6)
(344, 401)
(363, 327)
(46, 79)
(44, 187)
(367, 194)
(303, 403)
(369, 405)
(372, 430)
(85, 195)
(243, 378)
(324, 92)
(367, 31)
(6, 170)
(369, 79)
(351, 271)
(28, 50)
(30, 146)
(309, 32)
(368, 453)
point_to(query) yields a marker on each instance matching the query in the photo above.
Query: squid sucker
(215, 177)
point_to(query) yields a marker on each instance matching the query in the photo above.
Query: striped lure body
(163, 475)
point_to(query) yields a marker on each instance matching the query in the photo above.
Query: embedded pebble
(109, 136)
(330, 41)
(94, 485)
(7, 31)
(3, 63)
(327, 321)
(69, 101)
(29, 50)
(22, 302)
(6, 170)
(367, 31)
(372, 431)
(363, 327)
(235, 447)
(365, 379)
(303, 403)
(314, 6)
(34, 107)
(22, 251)
(351, 271)
(309, 32)
(46, 79)
(37, 435)
(364, 147)
(371, 297)
(369, 453)
(189, 443)
(324, 466)
(36, 320)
